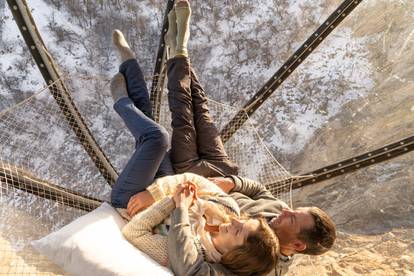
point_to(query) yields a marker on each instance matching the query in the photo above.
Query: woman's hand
(185, 195)
(139, 202)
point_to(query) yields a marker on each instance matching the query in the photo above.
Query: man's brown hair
(257, 256)
(320, 238)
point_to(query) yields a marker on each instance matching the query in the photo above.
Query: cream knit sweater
(139, 231)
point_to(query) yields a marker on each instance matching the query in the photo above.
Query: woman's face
(233, 234)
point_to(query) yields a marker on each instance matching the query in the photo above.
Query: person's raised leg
(145, 161)
(136, 86)
(201, 117)
(184, 141)
(137, 89)
(185, 150)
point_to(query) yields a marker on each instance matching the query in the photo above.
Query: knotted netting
(47, 179)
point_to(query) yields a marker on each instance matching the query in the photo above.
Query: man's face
(288, 225)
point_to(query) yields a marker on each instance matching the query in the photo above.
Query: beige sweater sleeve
(139, 230)
(167, 185)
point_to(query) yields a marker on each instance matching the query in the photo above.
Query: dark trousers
(149, 159)
(196, 145)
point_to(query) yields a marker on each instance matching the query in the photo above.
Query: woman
(205, 226)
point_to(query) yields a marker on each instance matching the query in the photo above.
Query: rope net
(47, 179)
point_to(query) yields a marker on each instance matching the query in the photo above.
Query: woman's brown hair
(257, 256)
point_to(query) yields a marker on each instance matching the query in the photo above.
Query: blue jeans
(150, 158)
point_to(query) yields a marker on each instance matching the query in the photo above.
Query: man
(307, 230)
(196, 147)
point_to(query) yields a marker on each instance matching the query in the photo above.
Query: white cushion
(93, 245)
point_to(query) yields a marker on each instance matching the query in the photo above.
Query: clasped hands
(184, 197)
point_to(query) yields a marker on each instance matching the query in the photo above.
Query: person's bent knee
(159, 136)
(165, 139)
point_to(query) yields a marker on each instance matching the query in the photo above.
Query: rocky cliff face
(352, 95)
(373, 208)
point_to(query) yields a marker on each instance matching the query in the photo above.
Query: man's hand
(139, 202)
(185, 196)
(226, 184)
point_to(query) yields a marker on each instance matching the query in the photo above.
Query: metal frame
(58, 89)
(288, 67)
(11, 175)
(352, 164)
